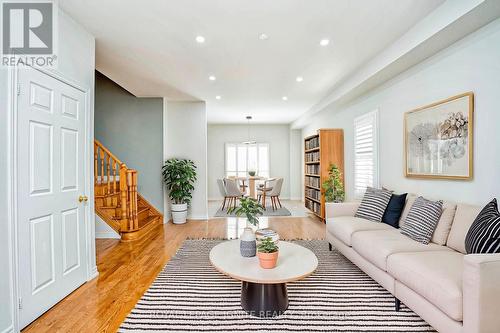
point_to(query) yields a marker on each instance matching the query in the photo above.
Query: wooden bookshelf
(320, 150)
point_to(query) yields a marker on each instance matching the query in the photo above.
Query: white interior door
(51, 178)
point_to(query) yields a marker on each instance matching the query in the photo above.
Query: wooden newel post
(123, 197)
(132, 199)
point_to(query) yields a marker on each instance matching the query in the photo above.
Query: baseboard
(93, 274)
(199, 217)
(107, 234)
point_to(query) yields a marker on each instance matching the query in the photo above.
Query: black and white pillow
(422, 220)
(374, 203)
(484, 233)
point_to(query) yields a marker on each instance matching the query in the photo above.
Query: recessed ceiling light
(218, 97)
(284, 98)
(200, 39)
(263, 36)
(299, 79)
(324, 42)
(212, 78)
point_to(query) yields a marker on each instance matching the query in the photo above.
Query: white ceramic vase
(179, 213)
(248, 246)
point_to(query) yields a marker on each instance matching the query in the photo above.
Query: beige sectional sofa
(452, 291)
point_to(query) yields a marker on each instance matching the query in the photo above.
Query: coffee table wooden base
(264, 300)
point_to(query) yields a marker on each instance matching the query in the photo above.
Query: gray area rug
(268, 212)
(189, 295)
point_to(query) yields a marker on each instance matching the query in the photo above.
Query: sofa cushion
(437, 276)
(394, 209)
(343, 227)
(374, 203)
(484, 234)
(410, 199)
(440, 235)
(377, 245)
(422, 220)
(464, 217)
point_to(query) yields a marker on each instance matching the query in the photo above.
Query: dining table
(251, 184)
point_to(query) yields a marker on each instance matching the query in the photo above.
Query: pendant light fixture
(249, 141)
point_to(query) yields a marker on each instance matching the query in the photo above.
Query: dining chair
(263, 189)
(222, 191)
(243, 185)
(275, 193)
(233, 191)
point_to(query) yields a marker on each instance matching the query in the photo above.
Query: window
(365, 153)
(241, 158)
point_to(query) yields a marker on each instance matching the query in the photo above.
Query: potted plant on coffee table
(251, 209)
(179, 175)
(267, 251)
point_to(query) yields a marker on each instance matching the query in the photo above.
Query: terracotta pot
(268, 260)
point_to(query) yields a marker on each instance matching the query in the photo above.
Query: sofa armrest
(481, 293)
(334, 209)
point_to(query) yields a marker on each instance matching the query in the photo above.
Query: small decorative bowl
(251, 173)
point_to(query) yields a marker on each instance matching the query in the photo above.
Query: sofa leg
(329, 246)
(397, 304)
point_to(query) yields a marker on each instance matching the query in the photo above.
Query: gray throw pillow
(374, 203)
(422, 220)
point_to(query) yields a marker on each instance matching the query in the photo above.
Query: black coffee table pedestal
(264, 300)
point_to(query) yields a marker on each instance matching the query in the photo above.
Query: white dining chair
(222, 191)
(264, 189)
(275, 193)
(233, 191)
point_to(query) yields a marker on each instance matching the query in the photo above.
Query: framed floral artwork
(438, 139)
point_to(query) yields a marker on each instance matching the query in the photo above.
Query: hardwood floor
(127, 269)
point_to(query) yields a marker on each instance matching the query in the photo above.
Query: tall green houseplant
(250, 208)
(333, 186)
(179, 176)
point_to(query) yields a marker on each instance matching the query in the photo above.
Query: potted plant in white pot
(179, 175)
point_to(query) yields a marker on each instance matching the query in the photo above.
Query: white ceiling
(149, 48)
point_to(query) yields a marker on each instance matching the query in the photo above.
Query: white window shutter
(365, 152)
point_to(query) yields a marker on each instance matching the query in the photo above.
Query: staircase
(117, 201)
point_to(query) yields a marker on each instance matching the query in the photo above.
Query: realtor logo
(27, 27)
(28, 33)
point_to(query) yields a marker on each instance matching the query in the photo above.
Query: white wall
(185, 136)
(278, 137)
(76, 62)
(103, 230)
(471, 64)
(296, 164)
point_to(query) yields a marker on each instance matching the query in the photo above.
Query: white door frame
(12, 178)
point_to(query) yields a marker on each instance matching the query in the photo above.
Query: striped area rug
(189, 295)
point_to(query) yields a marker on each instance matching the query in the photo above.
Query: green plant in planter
(179, 175)
(250, 208)
(333, 186)
(267, 246)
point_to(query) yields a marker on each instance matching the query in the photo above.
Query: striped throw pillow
(422, 220)
(374, 203)
(484, 233)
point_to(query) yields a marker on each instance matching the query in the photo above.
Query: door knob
(83, 198)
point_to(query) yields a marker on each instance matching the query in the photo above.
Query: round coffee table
(263, 291)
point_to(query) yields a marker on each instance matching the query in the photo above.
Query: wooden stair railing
(117, 201)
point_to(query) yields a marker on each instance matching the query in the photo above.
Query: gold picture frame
(438, 139)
